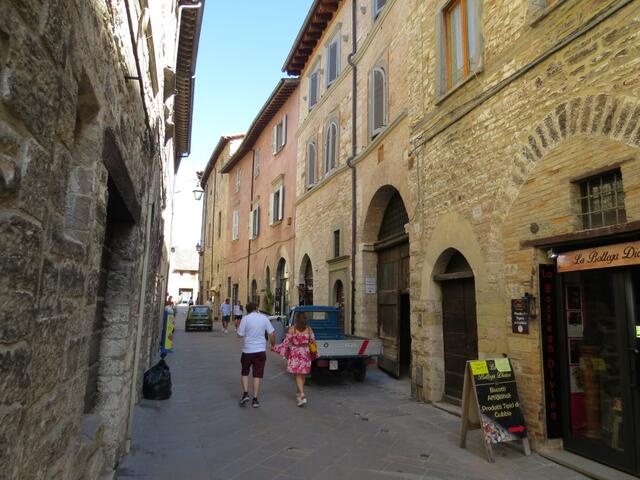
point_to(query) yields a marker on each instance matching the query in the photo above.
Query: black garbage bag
(157, 382)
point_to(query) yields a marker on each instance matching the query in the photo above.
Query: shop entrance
(599, 314)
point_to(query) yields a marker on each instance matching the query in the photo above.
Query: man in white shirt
(225, 311)
(253, 327)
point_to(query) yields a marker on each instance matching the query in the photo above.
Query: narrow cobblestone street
(349, 430)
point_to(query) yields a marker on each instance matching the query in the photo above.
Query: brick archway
(615, 117)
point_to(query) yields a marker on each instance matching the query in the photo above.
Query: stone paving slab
(370, 430)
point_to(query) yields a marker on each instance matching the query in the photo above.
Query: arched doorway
(338, 300)
(281, 298)
(305, 289)
(255, 296)
(394, 308)
(459, 324)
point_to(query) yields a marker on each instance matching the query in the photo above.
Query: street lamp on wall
(199, 248)
(197, 193)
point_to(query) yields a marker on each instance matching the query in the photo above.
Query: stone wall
(81, 171)
(557, 98)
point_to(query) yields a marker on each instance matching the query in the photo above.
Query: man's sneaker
(255, 403)
(244, 400)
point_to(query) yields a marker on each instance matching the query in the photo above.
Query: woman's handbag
(313, 347)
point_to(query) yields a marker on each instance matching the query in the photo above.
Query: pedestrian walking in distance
(299, 348)
(237, 313)
(253, 328)
(225, 311)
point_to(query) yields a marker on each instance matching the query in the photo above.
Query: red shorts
(255, 362)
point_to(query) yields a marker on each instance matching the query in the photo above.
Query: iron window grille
(602, 200)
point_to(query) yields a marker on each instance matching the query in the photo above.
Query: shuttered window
(333, 59)
(235, 225)
(378, 5)
(461, 39)
(314, 88)
(378, 100)
(331, 146)
(312, 155)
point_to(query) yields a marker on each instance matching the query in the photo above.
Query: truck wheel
(360, 372)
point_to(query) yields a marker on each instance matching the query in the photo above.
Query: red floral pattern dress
(295, 348)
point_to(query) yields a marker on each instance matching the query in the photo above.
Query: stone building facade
(215, 212)
(378, 157)
(260, 205)
(89, 143)
(529, 150)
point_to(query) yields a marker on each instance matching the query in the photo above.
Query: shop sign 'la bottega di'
(620, 255)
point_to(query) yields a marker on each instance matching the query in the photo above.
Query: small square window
(602, 200)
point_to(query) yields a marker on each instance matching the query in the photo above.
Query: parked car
(198, 317)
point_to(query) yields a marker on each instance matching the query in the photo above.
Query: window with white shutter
(235, 225)
(271, 211)
(280, 135)
(237, 184)
(256, 163)
(281, 203)
(254, 222)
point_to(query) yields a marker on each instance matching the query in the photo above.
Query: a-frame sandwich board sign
(490, 402)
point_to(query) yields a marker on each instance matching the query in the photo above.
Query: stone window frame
(311, 143)
(443, 89)
(376, 8)
(379, 67)
(539, 9)
(327, 167)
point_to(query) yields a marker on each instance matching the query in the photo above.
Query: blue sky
(243, 44)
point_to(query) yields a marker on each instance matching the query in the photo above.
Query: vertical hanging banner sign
(550, 362)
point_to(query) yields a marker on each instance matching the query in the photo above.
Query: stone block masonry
(83, 155)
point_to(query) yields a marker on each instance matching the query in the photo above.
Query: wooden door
(392, 282)
(460, 332)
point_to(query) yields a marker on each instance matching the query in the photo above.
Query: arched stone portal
(386, 259)
(459, 323)
(338, 299)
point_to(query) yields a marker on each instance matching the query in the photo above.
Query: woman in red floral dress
(295, 348)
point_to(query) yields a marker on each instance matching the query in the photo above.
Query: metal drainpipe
(253, 166)
(143, 293)
(213, 226)
(354, 151)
